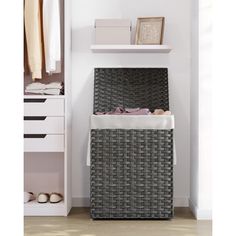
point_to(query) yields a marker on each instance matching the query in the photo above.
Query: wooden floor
(78, 223)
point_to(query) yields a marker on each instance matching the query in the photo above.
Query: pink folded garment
(143, 111)
(126, 111)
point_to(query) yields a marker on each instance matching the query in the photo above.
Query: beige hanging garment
(33, 31)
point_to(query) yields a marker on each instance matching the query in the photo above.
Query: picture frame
(150, 30)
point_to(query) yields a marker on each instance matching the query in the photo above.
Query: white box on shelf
(112, 31)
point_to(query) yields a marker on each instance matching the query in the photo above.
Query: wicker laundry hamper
(131, 170)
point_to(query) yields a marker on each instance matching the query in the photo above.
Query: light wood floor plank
(78, 223)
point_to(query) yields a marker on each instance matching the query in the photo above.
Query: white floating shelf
(130, 48)
(34, 208)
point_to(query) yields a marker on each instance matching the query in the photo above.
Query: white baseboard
(200, 214)
(85, 202)
(193, 208)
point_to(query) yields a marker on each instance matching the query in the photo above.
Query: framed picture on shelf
(150, 30)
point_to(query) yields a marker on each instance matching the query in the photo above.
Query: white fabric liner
(131, 122)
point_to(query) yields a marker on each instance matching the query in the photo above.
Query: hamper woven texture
(131, 174)
(130, 87)
(131, 170)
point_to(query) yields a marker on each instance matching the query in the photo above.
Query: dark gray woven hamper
(131, 170)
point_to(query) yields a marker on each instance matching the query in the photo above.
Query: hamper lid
(130, 87)
(112, 23)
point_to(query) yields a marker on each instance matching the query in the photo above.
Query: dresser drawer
(43, 125)
(43, 143)
(44, 107)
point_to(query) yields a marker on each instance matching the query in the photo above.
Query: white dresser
(44, 125)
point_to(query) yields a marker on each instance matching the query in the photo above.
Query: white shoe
(55, 197)
(28, 196)
(43, 197)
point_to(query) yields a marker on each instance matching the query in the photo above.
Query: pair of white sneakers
(43, 197)
(52, 198)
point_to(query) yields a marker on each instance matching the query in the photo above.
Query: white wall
(201, 171)
(177, 34)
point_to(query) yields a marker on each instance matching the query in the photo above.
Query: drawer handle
(35, 117)
(35, 135)
(35, 100)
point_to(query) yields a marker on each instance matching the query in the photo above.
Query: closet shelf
(34, 208)
(44, 96)
(130, 48)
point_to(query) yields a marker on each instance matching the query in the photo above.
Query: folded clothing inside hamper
(156, 122)
(134, 111)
